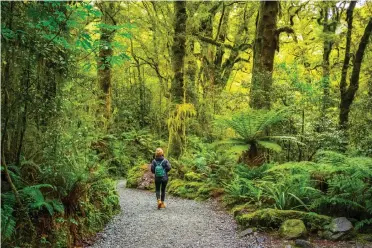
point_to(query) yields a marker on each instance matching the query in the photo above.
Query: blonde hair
(159, 152)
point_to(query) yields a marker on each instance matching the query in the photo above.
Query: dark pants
(160, 183)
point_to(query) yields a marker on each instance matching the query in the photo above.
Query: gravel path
(184, 223)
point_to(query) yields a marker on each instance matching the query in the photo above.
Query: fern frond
(8, 221)
(238, 148)
(362, 223)
(39, 204)
(270, 145)
(270, 118)
(57, 205)
(286, 138)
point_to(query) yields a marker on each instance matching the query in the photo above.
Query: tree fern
(270, 145)
(251, 127)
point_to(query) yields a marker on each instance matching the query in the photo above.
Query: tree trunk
(191, 91)
(176, 137)
(179, 51)
(348, 93)
(104, 60)
(345, 66)
(328, 29)
(264, 52)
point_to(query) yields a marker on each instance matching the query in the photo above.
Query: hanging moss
(177, 128)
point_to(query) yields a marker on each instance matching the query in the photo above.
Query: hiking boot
(162, 205)
(159, 204)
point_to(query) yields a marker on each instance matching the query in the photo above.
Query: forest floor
(184, 223)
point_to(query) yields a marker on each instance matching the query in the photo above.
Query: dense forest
(266, 106)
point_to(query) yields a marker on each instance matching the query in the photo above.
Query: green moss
(365, 238)
(134, 175)
(184, 189)
(243, 209)
(274, 218)
(293, 228)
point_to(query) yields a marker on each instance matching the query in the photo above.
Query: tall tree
(179, 51)
(347, 93)
(266, 42)
(331, 17)
(176, 135)
(104, 65)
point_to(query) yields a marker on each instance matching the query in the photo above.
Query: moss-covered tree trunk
(12, 154)
(264, 51)
(176, 137)
(329, 27)
(104, 65)
(179, 51)
(347, 93)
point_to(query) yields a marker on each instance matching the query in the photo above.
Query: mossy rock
(273, 218)
(243, 209)
(339, 229)
(293, 228)
(135, 174)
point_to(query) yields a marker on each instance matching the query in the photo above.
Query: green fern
(363, 223)
(8, 221)
(251, 132)
(36, 201)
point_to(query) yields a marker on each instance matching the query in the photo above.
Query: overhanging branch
(241, 47)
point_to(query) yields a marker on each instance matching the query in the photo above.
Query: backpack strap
(161, 163)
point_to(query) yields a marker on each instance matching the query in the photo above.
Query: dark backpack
(159, 169)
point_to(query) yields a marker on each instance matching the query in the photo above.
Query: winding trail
(184, 223)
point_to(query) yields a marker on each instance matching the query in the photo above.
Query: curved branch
(241, 47)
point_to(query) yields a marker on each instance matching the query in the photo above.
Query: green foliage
(243, 190)
(252, 130)
(334, 185)
(61, 151)
(249, 126)
(192, 176)
(103, 203)
(349, 187)
(185, 189)
(8, 221)
(35, 200)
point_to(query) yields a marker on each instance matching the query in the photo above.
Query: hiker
(160, 167)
